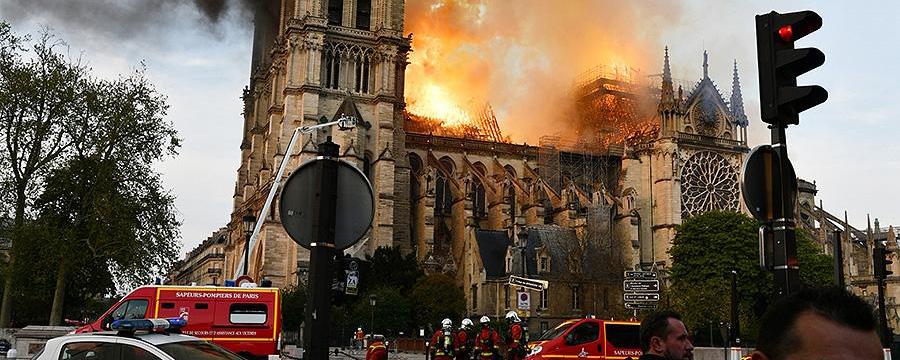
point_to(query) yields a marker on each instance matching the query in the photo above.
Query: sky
(200, 59)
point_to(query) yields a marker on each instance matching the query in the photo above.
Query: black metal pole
(838, 260)
(886, 333)
(321, 256)
(735, 316)
(786, 267)
(246, 254)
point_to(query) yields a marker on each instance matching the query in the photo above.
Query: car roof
(152, 338)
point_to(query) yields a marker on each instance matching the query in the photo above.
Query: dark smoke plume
(122, 19)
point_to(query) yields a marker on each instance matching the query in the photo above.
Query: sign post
(532, 284)
(641, 290)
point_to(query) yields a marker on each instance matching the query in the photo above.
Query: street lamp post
(249, 223)
(372, 321)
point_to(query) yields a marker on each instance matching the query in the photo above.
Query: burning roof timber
(482, 126)
(610, 111)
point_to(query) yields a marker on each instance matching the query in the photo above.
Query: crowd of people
(483, 343)
(812, 323)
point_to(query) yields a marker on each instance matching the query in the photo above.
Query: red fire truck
(589, 338)
(244, 320)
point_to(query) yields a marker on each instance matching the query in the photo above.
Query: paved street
(356, 354)
(360, 354)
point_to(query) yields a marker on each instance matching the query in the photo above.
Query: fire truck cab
(246, 321)
(589, 338)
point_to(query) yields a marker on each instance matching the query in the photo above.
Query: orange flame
(522, 56)
(435, 102)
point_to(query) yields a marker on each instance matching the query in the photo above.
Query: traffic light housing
(881, 262)
(781, 100)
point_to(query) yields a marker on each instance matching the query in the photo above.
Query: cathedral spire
(705, 65)
(667, 93)
(737, 101)
(667, 71)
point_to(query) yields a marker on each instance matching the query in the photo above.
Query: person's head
(466, 324)
(816, 323)
(447, 324)
(512, 317)
(485, 321)
(664, 334)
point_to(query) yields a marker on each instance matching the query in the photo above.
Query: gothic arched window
(479, 207)
(363, 14)
(545, 202)
(479, 203)
(443, 198)
(335, 12)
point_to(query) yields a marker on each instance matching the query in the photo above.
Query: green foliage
(389, 267)
(707, 247)
(392, 312)
(705, 250)
(816, 267)
(76, 172)
(293, 307)
(437, 297)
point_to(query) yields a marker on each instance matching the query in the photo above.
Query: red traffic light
(786, 33)
(793, 26)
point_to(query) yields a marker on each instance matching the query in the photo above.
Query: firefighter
(377, 350)
(516, 341)
(443, 342)
(465, 340)
(487, 342)
(358, 338)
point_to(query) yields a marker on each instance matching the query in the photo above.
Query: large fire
(520, 56)
(436, 102)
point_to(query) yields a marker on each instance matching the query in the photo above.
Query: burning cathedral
(575, 210)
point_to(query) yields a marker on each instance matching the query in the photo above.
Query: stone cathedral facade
(479, 210)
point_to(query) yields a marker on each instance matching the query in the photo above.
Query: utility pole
(880, 271)
(735, 315)
(838, 259)
(781, 101)
(321, 256)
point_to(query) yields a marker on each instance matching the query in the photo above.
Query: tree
(41, 94)
(87, 146)
(293, 307)
(436, 297)
(707, 247)
(389, 267)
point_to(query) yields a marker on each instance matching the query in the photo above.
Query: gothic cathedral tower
(691, 167)
(314, 61)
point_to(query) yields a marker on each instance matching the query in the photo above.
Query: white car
(134, 346)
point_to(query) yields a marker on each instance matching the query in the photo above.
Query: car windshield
(197, 350)
(557, 331)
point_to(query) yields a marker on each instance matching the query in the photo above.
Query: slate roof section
(565, 252)
(492, 246)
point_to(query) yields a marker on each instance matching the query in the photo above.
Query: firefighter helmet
(466, 323)
(512, 317)
(447, 324)
(485, 320)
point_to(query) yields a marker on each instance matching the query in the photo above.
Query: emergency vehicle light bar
(148, 324)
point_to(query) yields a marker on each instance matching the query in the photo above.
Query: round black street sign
(759, 183)
(354, 211)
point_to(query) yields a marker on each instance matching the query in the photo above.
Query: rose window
(708, 182)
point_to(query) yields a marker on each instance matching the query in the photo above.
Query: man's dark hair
(776, 338)
(656, 324)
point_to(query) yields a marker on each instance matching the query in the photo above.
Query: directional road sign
(641, 297)
(642, 285)
(640, 306)
(637, 275)
(533, 284)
